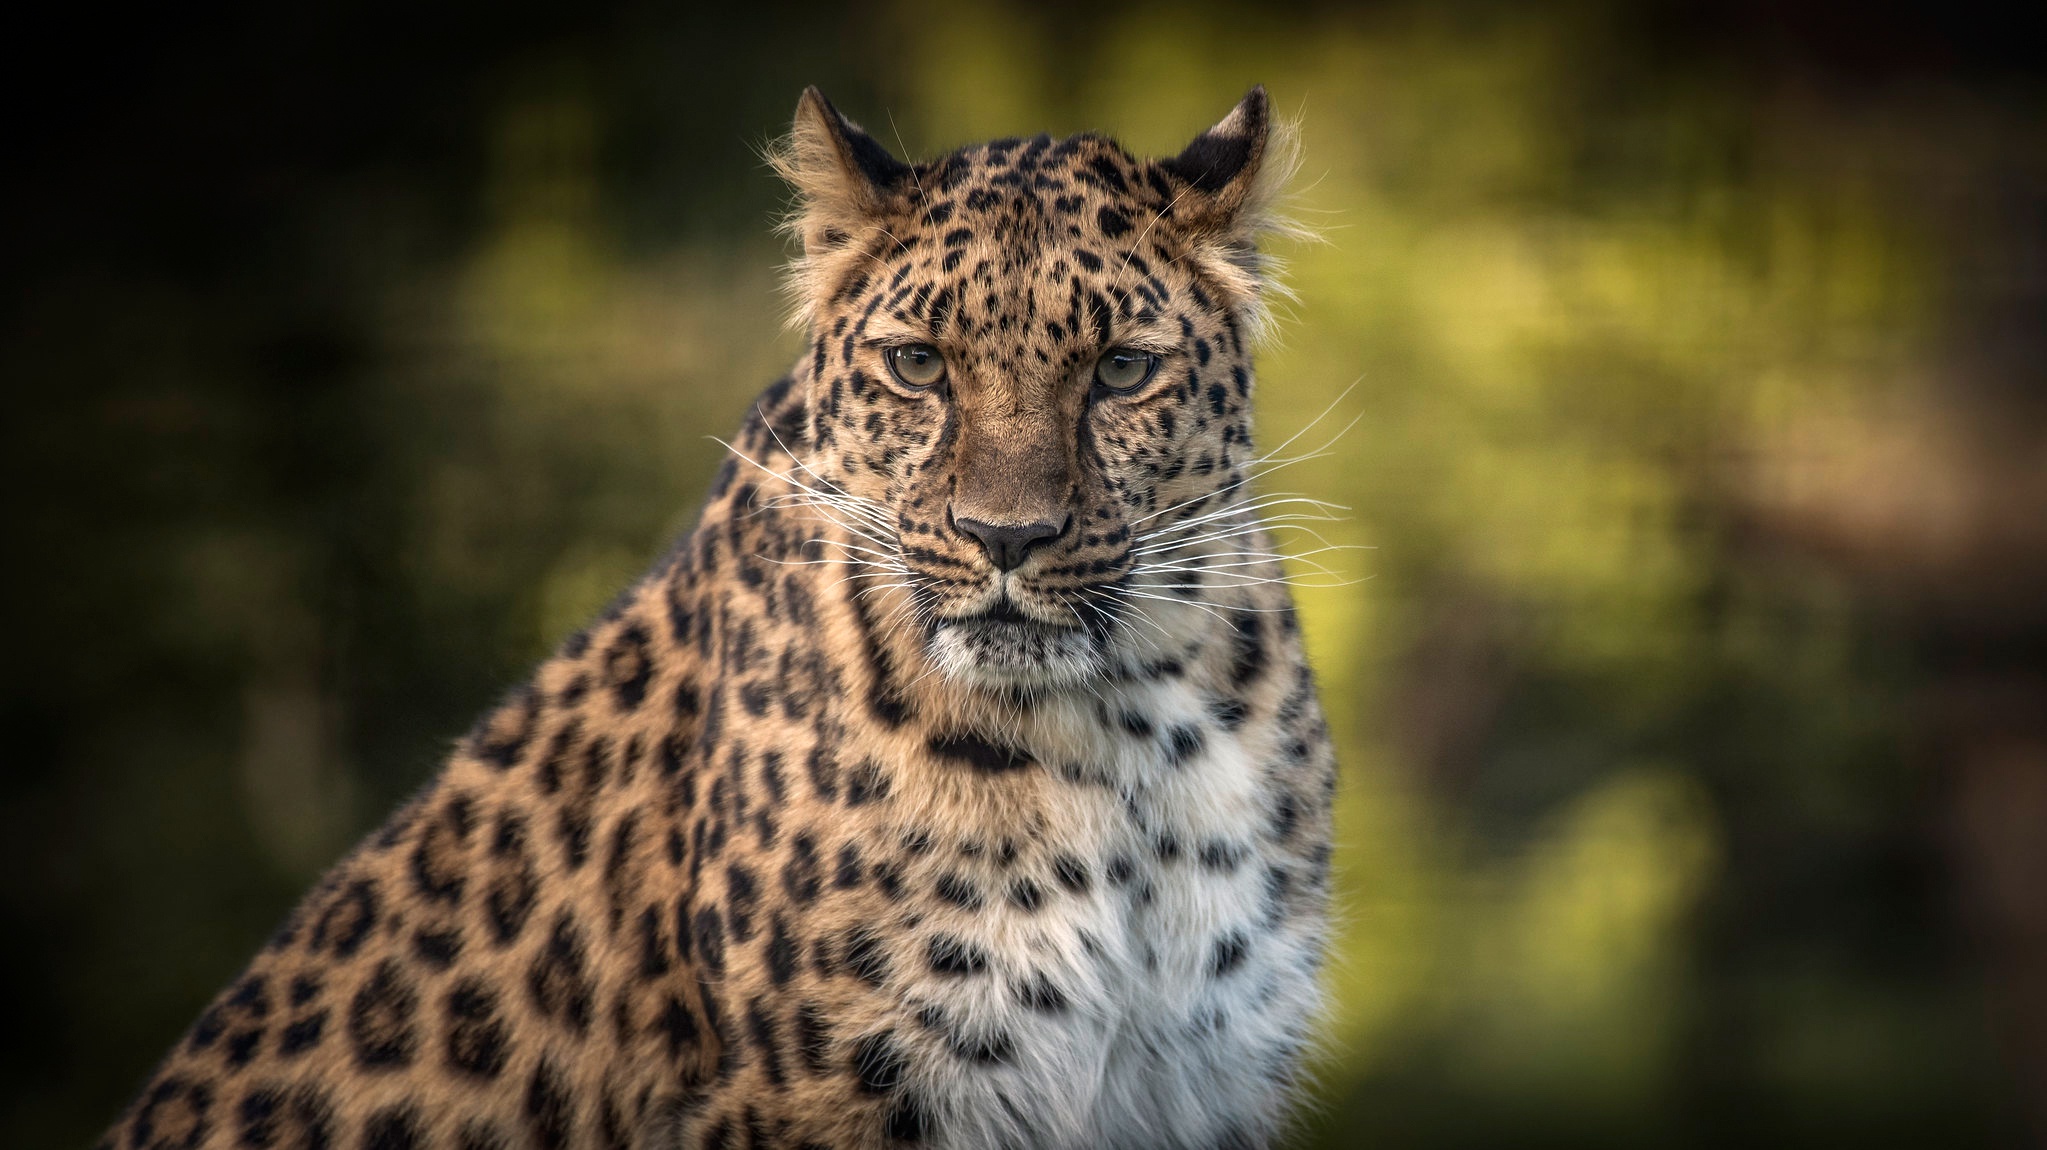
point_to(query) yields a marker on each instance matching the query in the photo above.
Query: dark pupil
(918, 356)
(1124, 362)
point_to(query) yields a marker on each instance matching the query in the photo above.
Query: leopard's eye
(1124, 370)
(916, 365)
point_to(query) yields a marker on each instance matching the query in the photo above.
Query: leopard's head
(1029, 366)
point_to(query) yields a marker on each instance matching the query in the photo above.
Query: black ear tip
(1256, 105)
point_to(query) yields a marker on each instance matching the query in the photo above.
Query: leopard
(958, 780)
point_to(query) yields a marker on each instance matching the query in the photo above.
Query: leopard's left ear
(1224, 161)
(842, 179)
(1234, 174)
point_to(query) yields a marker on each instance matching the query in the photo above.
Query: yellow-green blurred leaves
(537, 289)
(1575, 969)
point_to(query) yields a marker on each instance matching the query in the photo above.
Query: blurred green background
(1690, 692)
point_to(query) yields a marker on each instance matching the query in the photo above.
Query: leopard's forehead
(1040, 252)
(1032, 193)
(1054, 177)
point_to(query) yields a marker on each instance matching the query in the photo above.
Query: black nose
(1007, 545)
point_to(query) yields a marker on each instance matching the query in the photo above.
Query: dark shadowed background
(1690, 689)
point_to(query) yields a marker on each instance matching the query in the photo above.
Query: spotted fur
(831, 832)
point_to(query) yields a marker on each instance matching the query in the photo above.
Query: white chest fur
(1162, 1001)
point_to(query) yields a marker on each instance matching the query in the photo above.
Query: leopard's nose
(1008, 544)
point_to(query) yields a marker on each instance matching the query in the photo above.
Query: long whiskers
(1269, 462)
(1210, 552)
(869, 521)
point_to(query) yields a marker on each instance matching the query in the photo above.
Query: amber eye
(1124, 370)
(916, 364)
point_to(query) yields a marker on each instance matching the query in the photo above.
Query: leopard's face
(1025, 369)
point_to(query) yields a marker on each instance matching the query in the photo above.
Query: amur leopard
(958, 780)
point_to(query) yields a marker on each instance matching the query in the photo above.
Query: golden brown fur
(830, 832)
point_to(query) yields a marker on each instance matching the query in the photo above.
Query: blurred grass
(1633, 838)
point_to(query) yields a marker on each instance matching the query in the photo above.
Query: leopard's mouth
(1004, 645)
(993, 608)
(1006, 613)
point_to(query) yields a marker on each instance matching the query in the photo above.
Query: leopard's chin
(1009, 653)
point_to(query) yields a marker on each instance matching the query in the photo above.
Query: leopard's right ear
(829, 157)
(842, 179)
